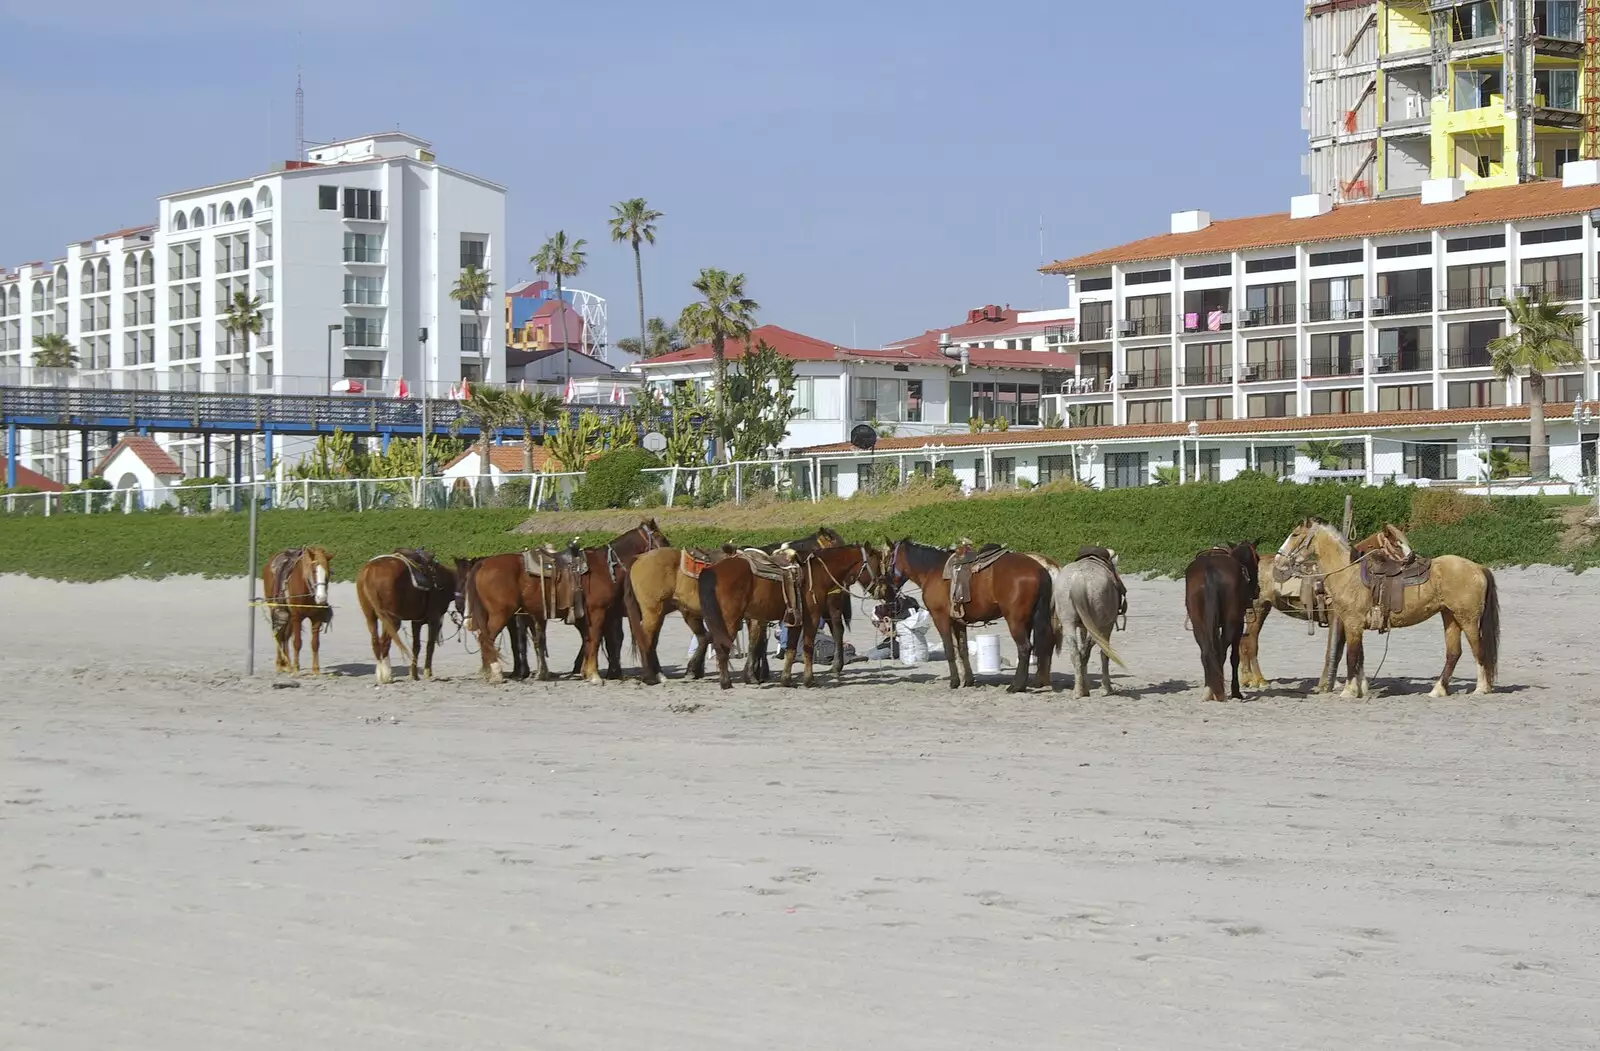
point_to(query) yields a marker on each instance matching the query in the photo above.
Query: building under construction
(1491, 92)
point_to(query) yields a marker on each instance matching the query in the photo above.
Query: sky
(875, 168)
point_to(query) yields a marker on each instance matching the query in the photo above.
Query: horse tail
(1079, 596)
(1489, 628)
(391, 628)
(630, 602)
(1208, 632)
(711, 609)
(1044, 619)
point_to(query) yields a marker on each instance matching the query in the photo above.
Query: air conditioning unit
(1388, 362)
(1227, 317)
(1381, 304)
(1250, 372)
(1125, 327)
(1522, 290)
(1124, 380)
(1497, 293)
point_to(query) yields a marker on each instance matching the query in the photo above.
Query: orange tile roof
(1537, 200)
(1345, 422)
(32, 479)
(146, 449)
(506, 458)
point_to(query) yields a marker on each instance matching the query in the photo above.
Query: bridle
(614, 560)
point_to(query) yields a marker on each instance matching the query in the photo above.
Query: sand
(190, 859)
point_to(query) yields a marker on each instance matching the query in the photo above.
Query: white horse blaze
(320, 576)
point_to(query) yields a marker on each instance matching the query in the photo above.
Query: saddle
(692, 560)
(963, 562)
(281, 565)
(556, 569)
(1108, 558)
(1387, 573)
(422, 566)
(779, 566)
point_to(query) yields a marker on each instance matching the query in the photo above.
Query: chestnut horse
(603, 589)
(496, 593)
(730, 592)
(1015, 587)
(294, 585)
(387, 588)
(1219, 586)
(827, 577)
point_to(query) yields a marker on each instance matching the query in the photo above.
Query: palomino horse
(404, 585)
(1014, 587)
(294, 584)
(1289, 596)
(827, 576)
(1460, 591)
(1087, 603)
(1219, 586)
(496, 593)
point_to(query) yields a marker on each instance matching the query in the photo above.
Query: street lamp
(331, 330)
(1086, 458)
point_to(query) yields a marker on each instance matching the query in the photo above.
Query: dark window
(1559, 277)
(1269, 305)
(1154, 411)
(1095, 415)
(1207, 465)
(1094, 321)
(1405, 291)
(1147, 277)
(1475, 395)
(361, 369)
(1148, 315)
(1345, 255)
(1587, 456)
(1408, 398)
(830, 479)
(1269, 406)
(471, 342)
(1474, 244)
(1127, 470)
(1261, 266)
(1436, 460)
(1408, 249)
(1094, 284)
(978, 480)
(1559, 233)
(1051, 469)
(1468, 345)
(328, 198)
(1276, 461)
(1405, 349)
(473, 252)
(363, 204)
(1558, 390)
(1208, 310)
(1005, 470)
(1335, 402)
(1208, 270)
(1208, 408)
(914, 401)
(1337, 354)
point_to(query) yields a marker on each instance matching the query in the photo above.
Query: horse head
(316, 561)
(828, 537)
(463, 575)
(653, 536)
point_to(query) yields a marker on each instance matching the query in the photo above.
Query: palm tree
(471, 290)
(659, 338)
(634, 221)
(1325, 454)
(561, 259)
(532, 411)
(1545, 339)
(243, 320)
(724, 313)
(489, 409)
(53, 351)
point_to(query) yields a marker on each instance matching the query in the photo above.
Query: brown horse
(1014, 587)
(1219, 586)
(496, 593)
(1463, 593)
(730, 592)
(827, 576)
(404, 585)
(294, 584)
(604, 586)
(656, 587)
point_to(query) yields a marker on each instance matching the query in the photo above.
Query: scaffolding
(1591, 80)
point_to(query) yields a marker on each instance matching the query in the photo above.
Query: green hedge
(1154, 530)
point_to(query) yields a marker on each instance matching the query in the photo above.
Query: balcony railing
(1383, 305)
(1255, 317)
(1318, 367)
(1568, 291)
(1334, 309)
(1093, 331)
(264, 338)
(359, 340)
(1472, 358)
(1093, 383)
(175, 273)
(362, 297)
(227, 265)
(191, 310)
(1147, 325)
(1149, 379)
(366, 215)
(263, 253)
(1472, 298)
(1208, 321)
(1415, 361)
(356, 254)
(1259, 371)
(1206, 375)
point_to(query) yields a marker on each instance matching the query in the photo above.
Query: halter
(614, 560)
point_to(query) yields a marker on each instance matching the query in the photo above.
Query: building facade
(352, 253)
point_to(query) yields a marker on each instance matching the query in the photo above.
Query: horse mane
(922, 558)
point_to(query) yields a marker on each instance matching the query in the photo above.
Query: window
(913, 401)
(1475, 244)
(363, 332)
(1559, 87)
(362, 369)
(1148, 367)
(1276, 461)
(1556, 18)
(830, 479)
(1052, 469)
(1013, 402)
(1401, 251)
(1435, 460)
(1335, 299)
(1589, 446)
(474, 251)
(1127, 470)
(1552, 235)
(1408, 398)
(328, 198)
(1094, 415)
(1475, 88)
(1336, 354)
(1269, 359)
(1220, 408)
(1335, 402)
(1208, 270)
(363, 204)
(1477, 394)
(471, 340)
(471, 370)
(363, 290)
(1261, 266)
(1153, 411)
(1094, 284)
(1343, 255)
(979, 482)
(1005, 470)
(817, 397)
(1269, 406)
(1148, 315)
(1563, 157)
(1558, 390)
(1147, 277)
(1405, 291)
(1269, 304)
(179, 222)
(363, 248)
(1207, 310)
(1479, 285)
(1559, 277)
(1469, 343)
(1094, 321)
(1207, 465)
(883, 399)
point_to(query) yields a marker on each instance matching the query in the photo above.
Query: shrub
(195, 494)
(1444, 507)
(944, 477)
(615, 479)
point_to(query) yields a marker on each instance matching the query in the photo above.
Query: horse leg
(295, 629)
(1250, 645)
(958, 632)
(380, 648)
(488, 631)
(724, 679)
(539, 634)
(786, 677)
(1469, 626)
(696, 668)
(613, 639)
(645, 640)
(433, 639)
(1082, 646)
(1355, 683)
(316, 647)
(1022, 635)
(836, 627)
(416, 647)
(1105, 669)
(1233, 666)
(947, 634)
(755, 662)
(1452, 653)
(593, 638)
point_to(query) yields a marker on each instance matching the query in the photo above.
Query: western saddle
(963, 562)
(1387, 571)
(556, 569)
(692, 561)
(422, 566)
(1108, 558)
(779, 566)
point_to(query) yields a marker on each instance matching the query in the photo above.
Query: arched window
(180, 221)
(147, 268)
(103, 276)
(197, 218)
(130, 270)
(16, 299)
(227, 211)
(86, 279)
(245, 211)
(38, 297)
(264, 198)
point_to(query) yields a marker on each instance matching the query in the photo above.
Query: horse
(1087, 604)
(399, 586)
(294, 587)
(1289, 596)
(603, 587)
(827, 576)
(1219, 586)
(825, 537)
(1461, 592)
(731, 591)
(495, 593)
(1015, 587)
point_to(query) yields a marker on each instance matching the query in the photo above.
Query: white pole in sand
(250, 577)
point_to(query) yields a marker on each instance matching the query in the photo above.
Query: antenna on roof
(299, 107)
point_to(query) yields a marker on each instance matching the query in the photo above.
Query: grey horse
(1086, 602)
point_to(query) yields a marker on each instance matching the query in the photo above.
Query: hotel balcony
(1256, 317)
(1471, 358)
(1207, 375)
(1262, 371)
(1384, 306)
(1321, 367)
(1335, 310)
(1147, 325)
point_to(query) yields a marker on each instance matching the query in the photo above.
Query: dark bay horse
(604, 586)
(827, 577)
(1015, 587)
(1219, 587)
(294, 584)
(404, 585)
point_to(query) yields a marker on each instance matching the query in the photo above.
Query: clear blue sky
(874, 167)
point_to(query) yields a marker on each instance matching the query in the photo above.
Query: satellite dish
(655, 442)
(863, 436)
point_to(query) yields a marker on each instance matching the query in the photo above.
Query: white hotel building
(354, 247)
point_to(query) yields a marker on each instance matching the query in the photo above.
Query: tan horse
(1462, 592)
(655, 588)
(294, 584)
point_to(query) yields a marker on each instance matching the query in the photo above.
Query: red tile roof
(146, 449)
(981, 323)
(1537, 200)
(797, 347)
(506, 458)
(1346, 422)
(32, 479)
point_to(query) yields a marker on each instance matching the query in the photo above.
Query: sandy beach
(190, 859)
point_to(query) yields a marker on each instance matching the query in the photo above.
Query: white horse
(1086, 603)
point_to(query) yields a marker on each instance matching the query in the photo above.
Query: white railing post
(533, 484)
(47, 505)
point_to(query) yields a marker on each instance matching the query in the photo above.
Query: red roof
(797, 347)
(506, 458)
(32, 479)
(981, 323)
(1535, 200)
(1354, 421)
(146, 449)
(127, 231)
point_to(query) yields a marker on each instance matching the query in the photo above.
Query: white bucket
(986, 655)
